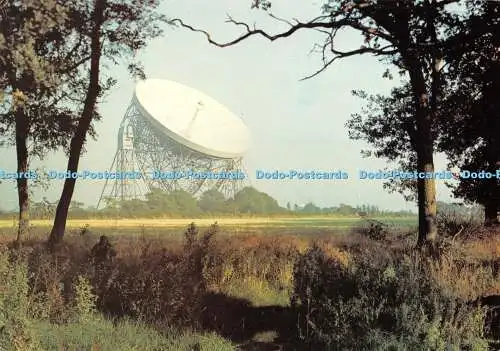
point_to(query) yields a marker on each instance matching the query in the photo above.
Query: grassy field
(319, 222)
(173, 228)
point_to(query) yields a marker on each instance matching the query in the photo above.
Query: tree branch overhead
(326, 24)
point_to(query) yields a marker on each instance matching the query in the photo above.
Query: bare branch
(249, 32)
(326, 24)
(279, 19)
(443, 3)
(231, 20)
(341, 55)
(323, 68)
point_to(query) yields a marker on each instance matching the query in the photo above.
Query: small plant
(85, 300)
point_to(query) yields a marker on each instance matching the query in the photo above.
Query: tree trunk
(78, 140)
(426, 187)
(22, 167)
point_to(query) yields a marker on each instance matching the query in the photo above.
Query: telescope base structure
(143, 149)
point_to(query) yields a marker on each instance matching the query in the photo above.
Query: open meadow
(173, 227)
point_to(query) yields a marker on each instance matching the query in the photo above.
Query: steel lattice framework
(143, 149)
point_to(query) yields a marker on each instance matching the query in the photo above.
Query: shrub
(158, 286)
(50, 284)
(16, 331)
(380, 302)
(85, 301)
(453, 224)
(373, 229)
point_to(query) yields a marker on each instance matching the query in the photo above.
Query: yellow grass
(313, 221)
(175, 222)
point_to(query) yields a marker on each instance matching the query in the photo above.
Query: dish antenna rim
(145, 88)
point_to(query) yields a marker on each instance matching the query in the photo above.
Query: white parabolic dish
(192, 118)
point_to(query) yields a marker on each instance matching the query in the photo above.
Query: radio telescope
(170, 127)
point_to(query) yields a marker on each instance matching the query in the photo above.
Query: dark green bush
(373, 229)
(158, 287)
(380, 302)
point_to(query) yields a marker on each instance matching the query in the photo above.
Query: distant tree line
(247, 202)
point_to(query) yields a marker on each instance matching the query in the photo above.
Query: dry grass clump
(333, 252)
(141, 279)
(82, 328)
(470, 266)
(465, 279)
(486, 246)
(252, 258)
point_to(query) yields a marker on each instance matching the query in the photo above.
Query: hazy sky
(294, 125)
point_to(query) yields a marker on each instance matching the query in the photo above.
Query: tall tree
(470, 128)
(466, 128)
(112, 29)
(31, 46)
(409, 34)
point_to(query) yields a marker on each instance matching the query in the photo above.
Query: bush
(157, 286)
(16, 330)
(85, 301)
(380, 302)
(27, 315)
(373, 229)
(453, 224)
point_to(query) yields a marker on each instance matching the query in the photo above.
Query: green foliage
(388, 125)
(160, 203)
(85, 301)
(185, 202)
(470, 127)
(125, 335)
(213, 201)
(466, 127)
(180, 203)
(34, 76)
(374, 230)
(250, 200)
(380, 303)
(16, 329)
(261, 4)
(310, 208)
